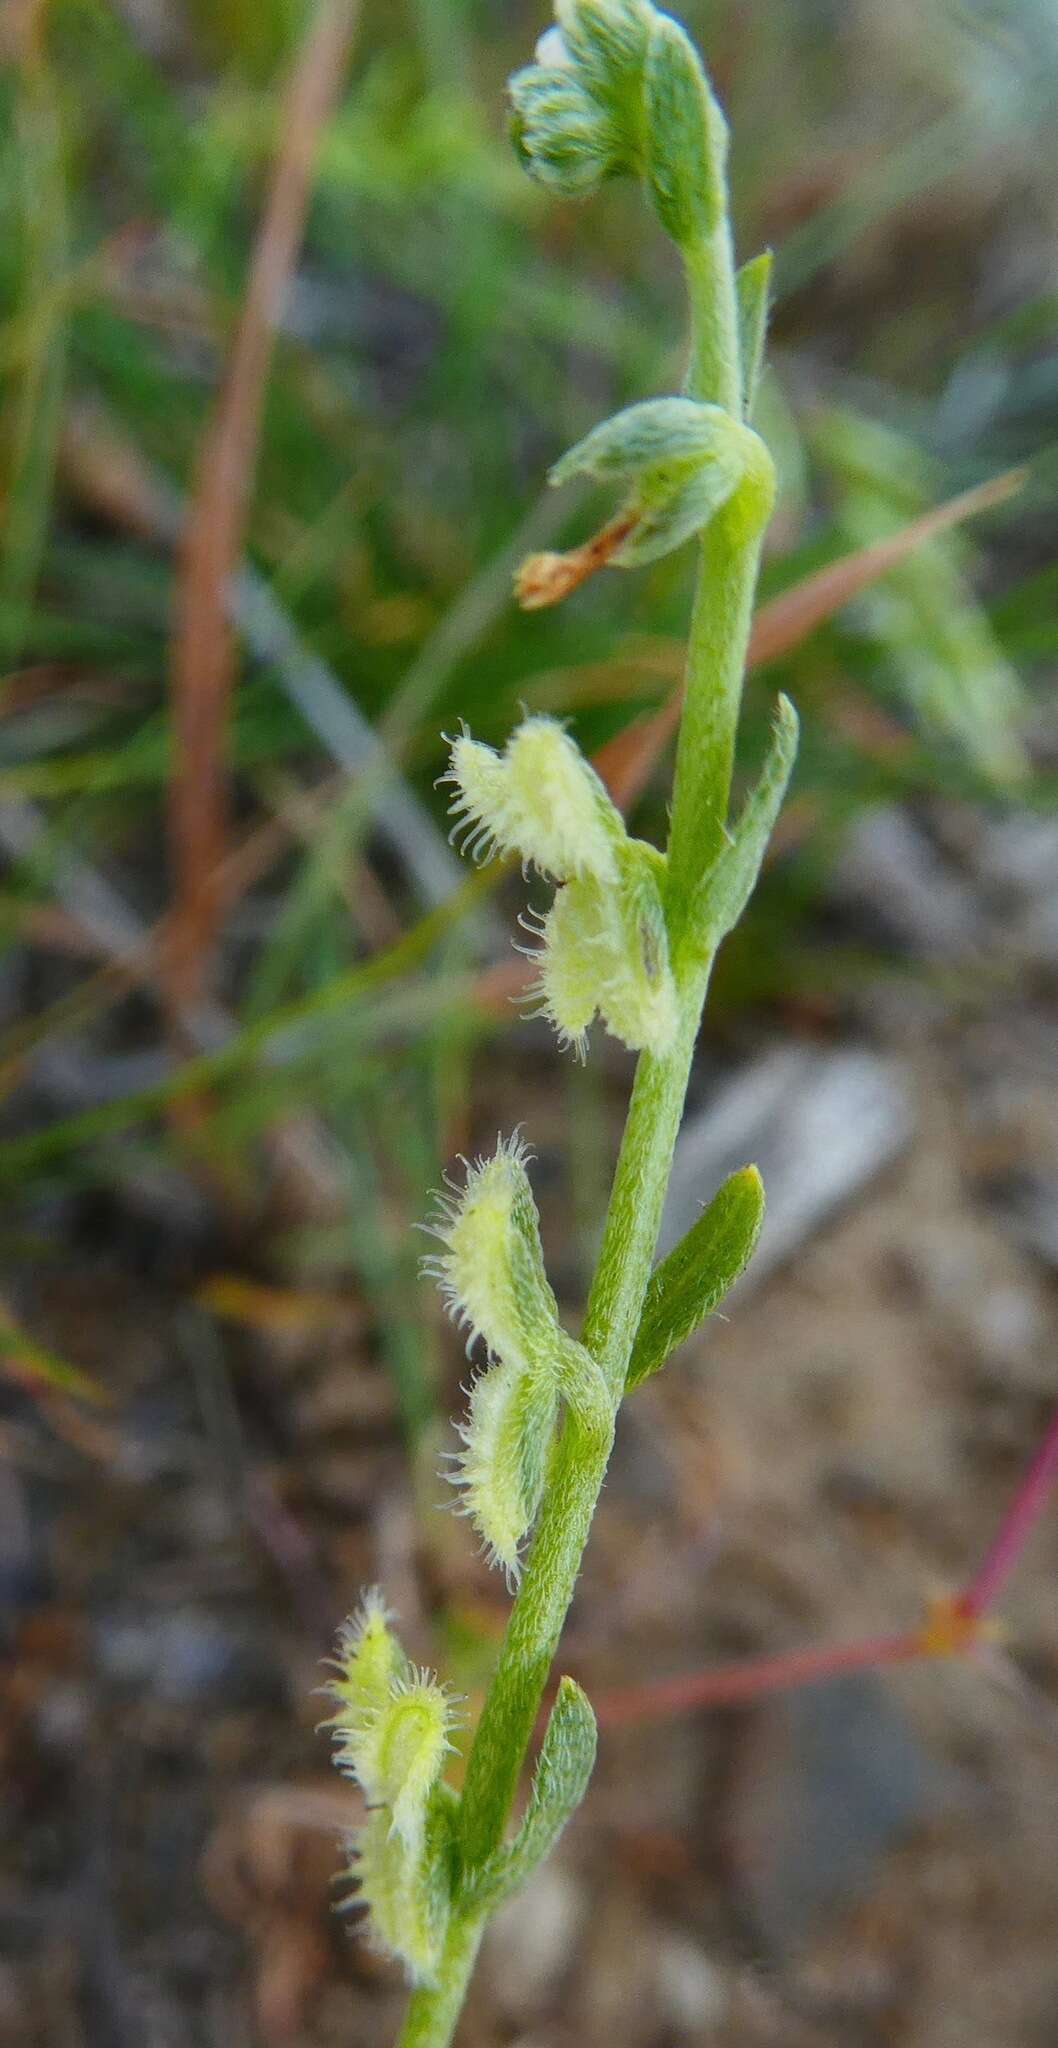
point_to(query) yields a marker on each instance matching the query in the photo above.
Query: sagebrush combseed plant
(630, 938)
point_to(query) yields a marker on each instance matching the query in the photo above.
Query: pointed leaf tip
(691, 1282)
(560, 1780)
(724, 891)
(752, 286)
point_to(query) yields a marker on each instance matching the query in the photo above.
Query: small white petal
(553, 51)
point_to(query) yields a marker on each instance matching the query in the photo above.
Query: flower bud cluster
(575, 110)
(603, 946)
(617, 87)
(392, 1726)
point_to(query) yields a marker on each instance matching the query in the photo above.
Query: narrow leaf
(689, 1284)
(752, 285)
(726, 888)
(564, 1766)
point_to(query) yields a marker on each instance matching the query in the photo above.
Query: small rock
(1027, 1203)
(533, 1938)
(892, 869)
(185, 1658)
(691, 1992)
(1019, 855)
(820, 1126)
(833, 1777)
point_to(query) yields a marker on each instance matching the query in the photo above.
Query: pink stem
(1017, 1525)
(746, 1680)
(734, 1682)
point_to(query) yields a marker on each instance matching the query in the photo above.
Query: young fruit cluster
(392, 1727)
(491, 1274)
(603, 945)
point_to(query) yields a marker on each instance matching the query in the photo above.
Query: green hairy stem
(616, 88)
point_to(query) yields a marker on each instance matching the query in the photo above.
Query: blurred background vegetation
(241, 1033)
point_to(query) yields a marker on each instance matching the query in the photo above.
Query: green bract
(686, 149)
(686, 459)
(695, 1277)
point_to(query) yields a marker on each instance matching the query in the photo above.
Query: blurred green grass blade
(22, 1155)
(942, 654)
(22, 1358)
(33, 173)
(384, 1250)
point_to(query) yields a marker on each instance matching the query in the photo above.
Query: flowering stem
(705, 750)
(682, 150)
(713, 372)
(726, 579)
(431, 2017)
(716, 663)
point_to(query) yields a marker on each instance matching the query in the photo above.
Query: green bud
(568, 963)
(492, 1275)
(369, 1661)
(660, 440)
(686, 461)
(491, 1269)
(606, 43)
(501, 1468)
(606, 950)
(576, 112)
(399, 1752)
(566, 140)
(392, 1729)
(618, 87)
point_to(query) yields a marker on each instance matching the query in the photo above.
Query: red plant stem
(949, 1627)
(1016, 1527)
(732, 1683)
